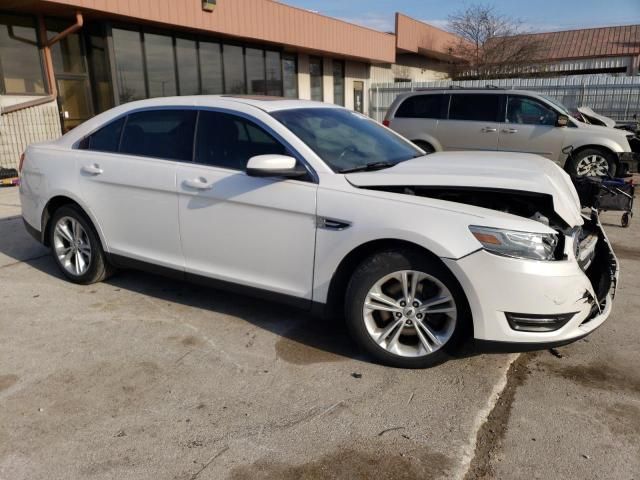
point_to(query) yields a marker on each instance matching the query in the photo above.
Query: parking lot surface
(143, 377)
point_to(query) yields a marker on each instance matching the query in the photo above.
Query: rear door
(128, 180)
(417, 116)
(472, 122)
(530, 127)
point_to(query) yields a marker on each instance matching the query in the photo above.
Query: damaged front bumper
(543, 304)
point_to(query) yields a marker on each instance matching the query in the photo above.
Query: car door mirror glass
(274, 166)
(562, 121)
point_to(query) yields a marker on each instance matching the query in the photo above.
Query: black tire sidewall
(426, 146)
(575, 159)
(384, 263)
(96, 271)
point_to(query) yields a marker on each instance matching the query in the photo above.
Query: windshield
(346, 140)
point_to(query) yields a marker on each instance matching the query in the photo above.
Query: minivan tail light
(386, 123)
(21, 163)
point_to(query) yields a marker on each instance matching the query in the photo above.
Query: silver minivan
(508, 120)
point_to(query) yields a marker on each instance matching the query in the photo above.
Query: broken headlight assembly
(510, 243)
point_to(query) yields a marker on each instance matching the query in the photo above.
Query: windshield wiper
(369, 167)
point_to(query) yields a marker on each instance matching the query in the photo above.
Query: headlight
(509, 243)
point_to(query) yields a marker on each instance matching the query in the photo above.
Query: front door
(530, 126)
(254, 232)
(472, 123)
(358, 96)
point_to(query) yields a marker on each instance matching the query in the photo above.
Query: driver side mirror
(562, 121)
(274, 166)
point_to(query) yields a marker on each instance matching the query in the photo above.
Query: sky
(536, 15)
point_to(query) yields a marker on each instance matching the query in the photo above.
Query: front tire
(405, 309)
(592, 162)
(76, 248)
(427, 147)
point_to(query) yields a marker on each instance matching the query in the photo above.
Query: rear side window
(421, 106)
(475, 107)
(160, 133)
(107, 139)
(229, 141)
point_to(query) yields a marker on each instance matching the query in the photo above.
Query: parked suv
(507, 120)
(326, 209)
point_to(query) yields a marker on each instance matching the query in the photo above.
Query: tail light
(21, 163)
(386, 123)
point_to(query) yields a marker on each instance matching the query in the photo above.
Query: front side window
(526, 111)
(228, 141)
(421, 106)
(160, 133)
(20, 65)
(127, 47)
(345, 139)
(474, 107)
(315, 76)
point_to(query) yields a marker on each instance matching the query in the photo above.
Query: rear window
(421, 106)
(160, 133)
(475, 107)
(107, 139)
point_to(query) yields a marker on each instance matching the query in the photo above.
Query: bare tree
(490, 45)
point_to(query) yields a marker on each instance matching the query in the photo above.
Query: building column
(304, 82)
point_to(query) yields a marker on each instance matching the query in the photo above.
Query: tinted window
(229, 141)
(315, 74)
(161, 72)
(478, 107)
(160, 133)
(19, 56)
(338, 82)
(107, 139)
(255, 71)
(128, 52)
(530, 112)
(290, 75)
(233, 69)
(211, 68)
(274, 73)
(345, 139)
(187, 56)
(421, 106)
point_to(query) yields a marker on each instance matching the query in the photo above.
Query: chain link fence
(615, 97)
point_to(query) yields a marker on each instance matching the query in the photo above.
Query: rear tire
(592, 162)
(76, 247)
(431, 314)
(427, 147)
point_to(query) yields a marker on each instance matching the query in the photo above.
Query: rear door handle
(509, 130)
(198, 184)
(92, 169)
(489, 130)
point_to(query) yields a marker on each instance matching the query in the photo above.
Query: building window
(234, 80)
(290, 75)
(274, 73)
(127, 46)
(161, 70)
(98, 59)
(254, 59)
(20, 64)
(187, 59)
(211, 68)
(338, 82)
(315, 75)
(67, 54)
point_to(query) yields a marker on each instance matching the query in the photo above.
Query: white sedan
(328, 210)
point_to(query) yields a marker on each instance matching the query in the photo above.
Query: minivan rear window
(421, 106)
(475, 107)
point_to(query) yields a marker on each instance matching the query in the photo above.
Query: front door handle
(509, 130)
(489, 130)
(198, 184)
(92, 169)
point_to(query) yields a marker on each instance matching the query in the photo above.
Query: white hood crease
(497, 170)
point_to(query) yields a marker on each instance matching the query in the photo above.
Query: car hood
(486, 170)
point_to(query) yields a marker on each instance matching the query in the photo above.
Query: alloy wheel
(410, 313)
(72, 246)
(592, 166)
